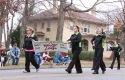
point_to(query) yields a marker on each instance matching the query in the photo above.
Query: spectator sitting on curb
(3, 54)
(46, 57)
(15, 54)
(38, 58)
(64, 58)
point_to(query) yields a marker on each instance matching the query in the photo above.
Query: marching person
(98, 54)
(29, 51)
(116, 50)
(93, 66)
(75, 40)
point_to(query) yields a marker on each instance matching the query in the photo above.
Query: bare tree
(29, 6)
(6, 7)
(63, 8)
(117, 18)
(61, 20)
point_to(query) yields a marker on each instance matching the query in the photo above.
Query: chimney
(55, 6)
(93, 11)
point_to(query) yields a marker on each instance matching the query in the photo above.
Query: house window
(35, 26)
(48, 26)
(85, 28)
(48, 29)
(43, 25)
(47, 39)
(71, 25)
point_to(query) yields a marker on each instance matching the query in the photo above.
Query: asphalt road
(60, 74)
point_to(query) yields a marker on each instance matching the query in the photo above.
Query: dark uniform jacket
(28, 41)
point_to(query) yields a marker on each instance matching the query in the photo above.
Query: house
(46, 23)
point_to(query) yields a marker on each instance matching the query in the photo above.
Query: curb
(45, 67)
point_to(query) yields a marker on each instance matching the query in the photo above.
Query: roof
(48, 14)
(39, 33)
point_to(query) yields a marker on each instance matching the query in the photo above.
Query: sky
(79, 4)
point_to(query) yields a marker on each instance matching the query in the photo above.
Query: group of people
(59, 57)
(75, 41)
(14, 54)
(98, 46)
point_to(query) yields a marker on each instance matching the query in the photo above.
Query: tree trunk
(5, 35)
(24, 23)
(7, 41)
(1, 34)
(61, 20)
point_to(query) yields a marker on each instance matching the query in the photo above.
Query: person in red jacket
(3, 53)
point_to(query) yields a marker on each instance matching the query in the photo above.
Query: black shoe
(26, 71)
(79, 72)
(69, 71)
(92, 69)
(103, 72)
(95, 72)
(111, 67)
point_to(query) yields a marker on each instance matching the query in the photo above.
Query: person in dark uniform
(116, 50)
(75, 41)
(29, 51)
(93, 66)
(98, 55)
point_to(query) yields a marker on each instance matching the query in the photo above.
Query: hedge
(84, 55)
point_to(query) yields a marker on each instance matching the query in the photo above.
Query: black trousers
(116, 55)
(29, 57)
(93, 66)
(75, 60)
(98, 55)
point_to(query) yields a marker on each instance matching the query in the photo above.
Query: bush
(84, 55)
(7, 49)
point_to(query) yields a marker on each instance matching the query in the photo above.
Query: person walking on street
(93, 66)
(29, 51)
(116, 50)
(98, 54)
(75, 41)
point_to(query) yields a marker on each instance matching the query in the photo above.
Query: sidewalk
(85, 64)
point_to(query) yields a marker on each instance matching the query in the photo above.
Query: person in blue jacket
(38, 58)
(15, 54)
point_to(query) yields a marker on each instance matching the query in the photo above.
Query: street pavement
(60, 74)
